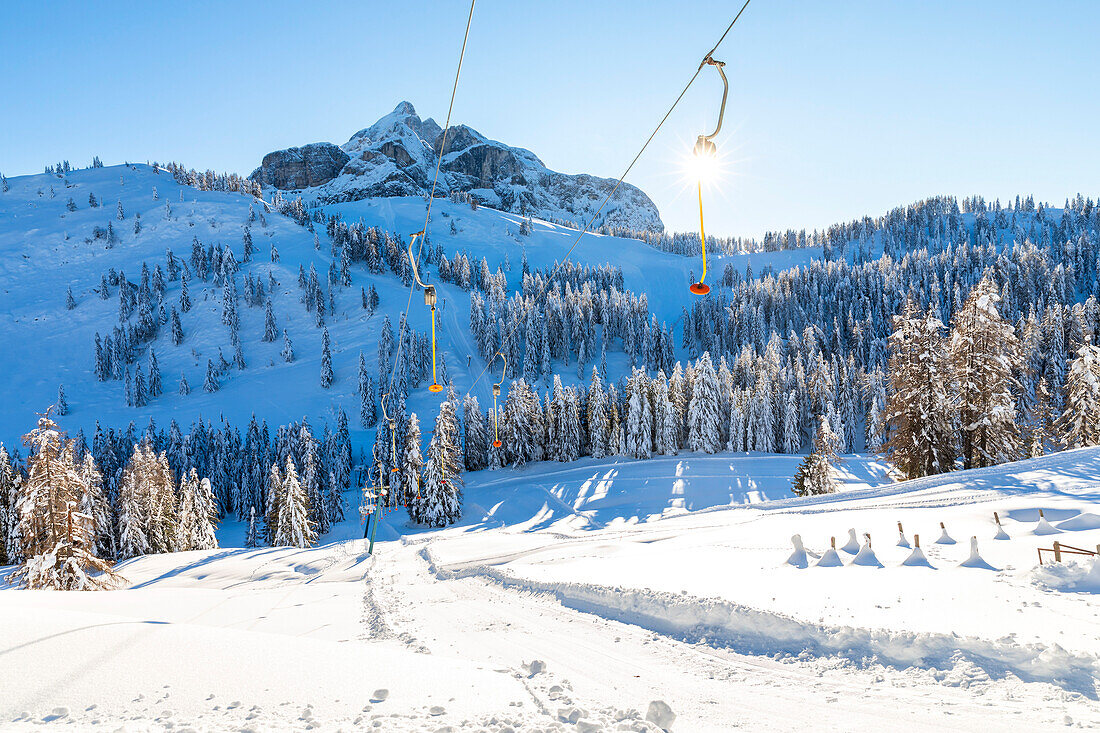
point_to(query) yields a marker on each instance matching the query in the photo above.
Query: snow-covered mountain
(396, 156)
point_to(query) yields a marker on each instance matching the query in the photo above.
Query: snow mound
(798, 558)
(1070, 577)
(1083, 521)
(830, 559)
(1044, 527)
(975, 560)
(852, 545)
(916, 559)
(866, 556)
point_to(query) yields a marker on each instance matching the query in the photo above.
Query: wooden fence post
(916, 541)
(1057, 551)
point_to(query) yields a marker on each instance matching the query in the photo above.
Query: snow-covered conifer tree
(703, 429)
(984, 354)
(211, 382)
(816, 474)
(439, 501)
(918, 410)
(326, 361)
(57, 538)
(197, 513)
(1079, 424)
(476, 443)
(270, 329)
(411, 463)
(293, 526)
(639, 417)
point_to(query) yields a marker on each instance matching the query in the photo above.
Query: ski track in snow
(752, 631)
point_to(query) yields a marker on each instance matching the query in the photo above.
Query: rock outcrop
(396, 157)
(305, 167)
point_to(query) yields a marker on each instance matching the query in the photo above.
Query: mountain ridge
(396, 156)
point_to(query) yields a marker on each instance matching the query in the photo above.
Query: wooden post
(997, 519)
(900, 530)
(916, 541)
(942, 527)
(1041, 514)
(1057, 551)
(832, 542)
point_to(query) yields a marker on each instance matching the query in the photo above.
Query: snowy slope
(623, 603)
(43, 251)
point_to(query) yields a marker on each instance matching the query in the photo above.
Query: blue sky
(837, 109)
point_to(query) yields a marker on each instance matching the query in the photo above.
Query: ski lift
(496, 395)
(429, 300)
(705, 150)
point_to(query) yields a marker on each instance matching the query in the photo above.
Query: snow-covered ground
(630, 582)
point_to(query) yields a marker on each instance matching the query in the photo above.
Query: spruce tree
(476, 443)
(197, 514)
(270, 329)
(252, 538)
(1079, 424)
(326, 361)
(984, 354)
(288, 348)
(816, 474)
(439, 501)
(294, 527)
(411, 462)
(918, 409)
(211, 383)
(702, 414)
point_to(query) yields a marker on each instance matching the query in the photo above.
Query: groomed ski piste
(605, 595)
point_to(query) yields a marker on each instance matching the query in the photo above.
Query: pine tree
(703, 428)
(411, 464)
(185, 298)
(62, 405)
(476, 443)
(185, 388)
(197, 513)
(94, 504)
(274, 501)
(816, 474)
(211, 383)
(639, 417)
(10, 484)
(57, 538)
(294, 527)
(288, 348)
(918, 409)
(1079, 424)
(270, 329)
(252, 538)
(326, 361)
(70, 302)
(439, 501)
(984, 354)
(155, 385)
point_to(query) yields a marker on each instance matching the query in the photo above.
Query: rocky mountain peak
(396, 157)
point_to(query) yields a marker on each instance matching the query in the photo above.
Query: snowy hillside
(396, 156)
(43, 251)
(591, 598)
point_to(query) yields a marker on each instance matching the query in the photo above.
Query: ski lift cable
(707, 59)
(427, 217)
